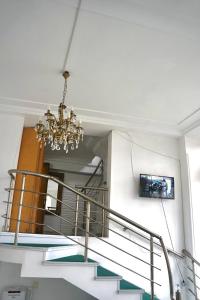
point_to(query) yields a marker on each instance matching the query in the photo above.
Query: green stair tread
(72, 258)
(37, 245)
(148, 297)
(102, 272)
(125, 285)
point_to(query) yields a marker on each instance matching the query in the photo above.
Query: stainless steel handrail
(179, 255)
(94, 173)
(189, 255)
(108, 211)
(77, 242)
(98, 194)
(91, 188)
(82, 214)
(194, 263)
(191, 280)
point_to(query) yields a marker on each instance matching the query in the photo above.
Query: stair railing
(99, 168)
(192, 266)
(92, 188)
(20, 219)
(99, 194)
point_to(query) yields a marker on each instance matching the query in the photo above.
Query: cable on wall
(170, 236)
(131, 141)
(143, 147)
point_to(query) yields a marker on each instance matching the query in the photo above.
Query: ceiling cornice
(108, 121)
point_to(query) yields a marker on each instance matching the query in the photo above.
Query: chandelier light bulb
(62, 130)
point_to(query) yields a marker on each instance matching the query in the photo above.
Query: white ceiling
(133, 63)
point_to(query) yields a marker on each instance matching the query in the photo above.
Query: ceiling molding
(190, 122)
(32, 111)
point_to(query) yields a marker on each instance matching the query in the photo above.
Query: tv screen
(153, 186)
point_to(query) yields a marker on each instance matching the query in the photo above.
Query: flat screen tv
(153, 186)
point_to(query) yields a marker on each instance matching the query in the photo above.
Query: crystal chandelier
(60, 132)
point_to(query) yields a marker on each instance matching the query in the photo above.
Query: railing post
(194, 280)
(10, 192)
(87, 229)
(20, 210)
(76, 215)
(171, 286)
(103, 214)
(152, 267)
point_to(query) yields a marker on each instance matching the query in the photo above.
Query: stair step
(103, 272)
(125, 285)
(73, 258)
(148, 297)
(37, 245)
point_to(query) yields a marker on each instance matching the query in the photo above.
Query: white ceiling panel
(134, 58)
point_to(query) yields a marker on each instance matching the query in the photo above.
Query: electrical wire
(131, 141)
(132, 165)
(170, 236)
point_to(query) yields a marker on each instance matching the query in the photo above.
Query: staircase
(90, 262)
(61, 261)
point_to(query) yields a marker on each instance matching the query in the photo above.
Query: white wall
(193, 155)
(187, 197)
(11, 128)
(148, 154)
(42, 289)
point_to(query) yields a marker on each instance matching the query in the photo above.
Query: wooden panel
(31, 158)
(42, 199)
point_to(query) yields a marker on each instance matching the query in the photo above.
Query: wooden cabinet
(31, 158)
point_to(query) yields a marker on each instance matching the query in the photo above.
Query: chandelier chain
(64, 92)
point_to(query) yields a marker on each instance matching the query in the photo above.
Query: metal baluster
(103, 214)
(152, 267)
(87, 228)
(194, 280)
(20, 210)
(76, 215)
(171, 286)
(10, 192)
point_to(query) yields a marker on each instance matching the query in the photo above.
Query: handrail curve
(108, 212)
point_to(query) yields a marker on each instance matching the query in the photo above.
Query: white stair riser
(65, 251)
(81, 276)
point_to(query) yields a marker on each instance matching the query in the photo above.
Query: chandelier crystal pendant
(60, 132)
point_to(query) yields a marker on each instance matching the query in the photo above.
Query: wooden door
(31, 158)
(42, 199)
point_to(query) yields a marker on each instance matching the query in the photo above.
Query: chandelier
(60, 132)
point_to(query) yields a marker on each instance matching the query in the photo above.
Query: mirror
(54, 190)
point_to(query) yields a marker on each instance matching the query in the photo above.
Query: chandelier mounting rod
(72, 34)
(65, 75)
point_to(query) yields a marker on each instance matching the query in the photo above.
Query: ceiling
(134, 64)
